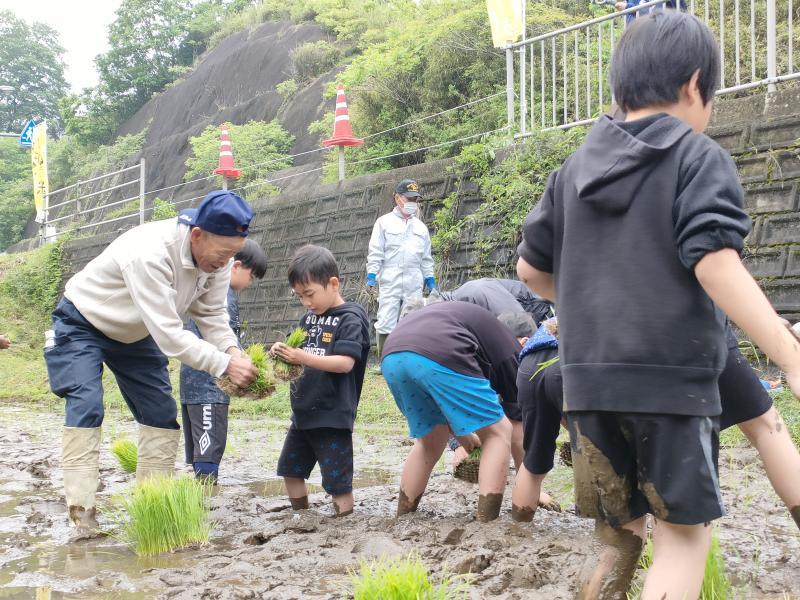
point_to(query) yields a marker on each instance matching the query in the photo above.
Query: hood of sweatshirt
(617, 158)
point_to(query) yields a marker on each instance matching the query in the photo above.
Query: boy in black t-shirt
(325, 399)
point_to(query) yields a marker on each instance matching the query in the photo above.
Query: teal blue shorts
(429, 394)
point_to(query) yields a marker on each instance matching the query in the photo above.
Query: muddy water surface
(260, 549)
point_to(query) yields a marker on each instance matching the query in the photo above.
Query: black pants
(205, 431)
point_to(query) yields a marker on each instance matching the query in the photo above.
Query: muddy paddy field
(261, 549)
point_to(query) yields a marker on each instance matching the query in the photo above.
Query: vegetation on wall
(509, 189)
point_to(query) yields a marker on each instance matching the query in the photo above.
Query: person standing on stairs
(399, 259)
(125, 308)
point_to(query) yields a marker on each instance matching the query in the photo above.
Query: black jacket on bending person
(463, 337)
(621, 226)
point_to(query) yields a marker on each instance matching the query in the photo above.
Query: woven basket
(565, 453)
(467, 470)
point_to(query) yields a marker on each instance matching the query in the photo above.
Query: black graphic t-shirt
(324, 399)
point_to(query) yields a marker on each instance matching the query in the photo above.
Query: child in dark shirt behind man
(325, 398)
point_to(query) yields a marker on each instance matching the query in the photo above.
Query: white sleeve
(210, 312)
(149, 283)
(427, 258)
(377, 241)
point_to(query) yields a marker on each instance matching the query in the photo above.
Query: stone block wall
(762, 134)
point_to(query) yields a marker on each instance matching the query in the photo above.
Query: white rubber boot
(157, 451)
(80, 462)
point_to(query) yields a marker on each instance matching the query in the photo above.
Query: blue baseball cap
(221, 212)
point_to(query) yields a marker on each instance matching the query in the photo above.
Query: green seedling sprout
(264, 383)
(162, 514)
(284, 370)
(404, 578)
(543, 365)
(126, 453)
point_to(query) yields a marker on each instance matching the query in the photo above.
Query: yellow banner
(505, 17)
(39, 167)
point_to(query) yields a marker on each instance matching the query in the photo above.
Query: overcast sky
(82, 26)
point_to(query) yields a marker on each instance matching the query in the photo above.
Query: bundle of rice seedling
(404, 579)
(468, 468)
(283, 370)
(264, 383)
(125, 451)
(164, 513)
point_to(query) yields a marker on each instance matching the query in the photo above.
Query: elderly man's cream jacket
(144, 283)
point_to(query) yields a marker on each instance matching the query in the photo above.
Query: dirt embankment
(260, 549)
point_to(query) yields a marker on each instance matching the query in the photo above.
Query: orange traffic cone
(342, 130)
(226, 167)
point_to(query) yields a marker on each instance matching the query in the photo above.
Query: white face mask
(409, 209)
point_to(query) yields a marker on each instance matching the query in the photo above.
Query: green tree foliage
(312, 59)
(31, 62)
(261, 143)
(407, 76)
(16, 201)
(147, 39)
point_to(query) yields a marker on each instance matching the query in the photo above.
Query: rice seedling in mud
(404, 578)
(126, 453)
(283, 370)
(162, 514)
(715, 580)
(264, 383)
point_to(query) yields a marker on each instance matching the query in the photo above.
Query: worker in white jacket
(399, 258)
(125, 309)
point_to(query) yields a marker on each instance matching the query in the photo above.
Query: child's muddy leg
(418, 466)
(297, 492)
(679, 559)
(525, 497)
(343, 504)
(517, 451)
(616, 565)
(769, 435)
(495, 452)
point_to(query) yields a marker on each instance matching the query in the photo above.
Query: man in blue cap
(125, 309)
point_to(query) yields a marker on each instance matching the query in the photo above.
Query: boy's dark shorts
(742, 395)
(512, 410)
(629, 464)
(205, 432)
(540, 400)
(331, 448)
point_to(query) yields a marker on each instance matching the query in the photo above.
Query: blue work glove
(430, 283)
(372, 279)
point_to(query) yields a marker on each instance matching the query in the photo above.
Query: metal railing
(75, 213)
(561, 77)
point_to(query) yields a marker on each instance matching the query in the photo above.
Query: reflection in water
(363, 479)
(48, 571)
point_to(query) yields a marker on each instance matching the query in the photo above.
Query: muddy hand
(241, 371)
(469, 442)
(5, 343)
